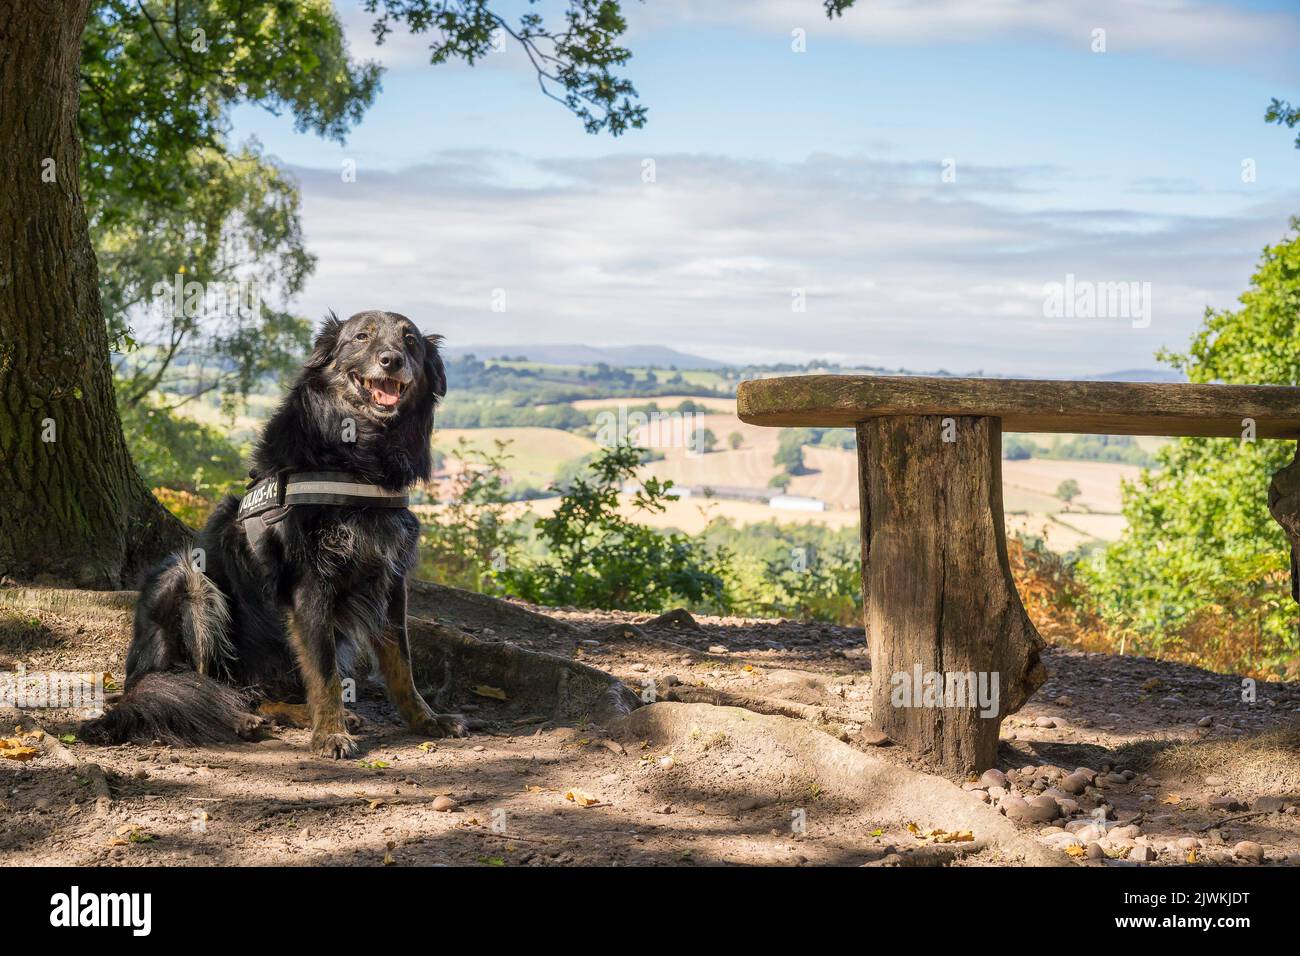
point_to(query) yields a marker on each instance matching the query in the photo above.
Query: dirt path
(1172, 754)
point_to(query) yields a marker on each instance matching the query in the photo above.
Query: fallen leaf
(496, 693)
(1171, 799)
(913, 829)
(942, 836)
(492, 861)
(428, 745)
(12, 748)
(1191, 855)
(1076, 850)
(581, 798)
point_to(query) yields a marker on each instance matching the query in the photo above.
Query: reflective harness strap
(269, 500)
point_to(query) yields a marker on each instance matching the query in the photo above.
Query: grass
(1269, 761)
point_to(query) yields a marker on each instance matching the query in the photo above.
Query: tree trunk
(939, 599)
(73, 507)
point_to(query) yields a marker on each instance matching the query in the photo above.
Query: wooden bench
(937, 590)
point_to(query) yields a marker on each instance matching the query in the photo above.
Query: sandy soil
(1204, 766)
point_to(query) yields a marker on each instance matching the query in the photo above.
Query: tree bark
(937, 588)
(1284, 506)
(73, 508)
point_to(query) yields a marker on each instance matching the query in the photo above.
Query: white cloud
(1190, 29)
(896, 267)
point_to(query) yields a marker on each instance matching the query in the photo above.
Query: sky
(914, 189)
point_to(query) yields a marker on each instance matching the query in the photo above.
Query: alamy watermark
(50, 690)
(652, 429)
(1082, 299)
(190, 298)
(965, 689)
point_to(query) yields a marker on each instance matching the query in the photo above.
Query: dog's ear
(433, 364)
(326, 340)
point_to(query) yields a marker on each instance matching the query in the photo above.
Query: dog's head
(379, 364)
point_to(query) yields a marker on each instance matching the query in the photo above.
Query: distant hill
(624, 356)
(1137, 375)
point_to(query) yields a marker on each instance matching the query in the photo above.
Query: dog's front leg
(393, 649)
(311, 629)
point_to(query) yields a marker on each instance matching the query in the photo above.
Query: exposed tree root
(63, 600)
(452, 666)
(820, 716)
(92, 771)
(789, 760)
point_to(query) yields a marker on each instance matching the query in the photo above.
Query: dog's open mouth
(384, 392)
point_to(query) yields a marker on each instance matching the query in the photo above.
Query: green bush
(171, 451)
(1201, 568)
(598, 558)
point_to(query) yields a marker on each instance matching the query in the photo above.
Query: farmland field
(1029, 485)
(537, 452)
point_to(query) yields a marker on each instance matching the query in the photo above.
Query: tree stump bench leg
(952, 650)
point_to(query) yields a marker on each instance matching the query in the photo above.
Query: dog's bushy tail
(176, 707)
(181, 639)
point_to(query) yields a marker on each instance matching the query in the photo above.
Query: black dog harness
(269, 500)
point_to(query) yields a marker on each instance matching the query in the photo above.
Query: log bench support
(939, 600)
(943, 618)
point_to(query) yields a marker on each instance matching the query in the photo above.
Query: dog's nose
(390, 359)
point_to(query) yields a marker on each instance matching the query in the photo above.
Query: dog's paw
(334, 746)
(250, 726)
(440, 725)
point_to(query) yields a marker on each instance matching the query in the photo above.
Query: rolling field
(1029, 486)
(537, 452)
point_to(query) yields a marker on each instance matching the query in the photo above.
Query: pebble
(667, 763)
(997, 793)
(993, 778)
(443, 803)
(717, 649)
(1042, 809)
(1075, 783)
(1188, 843)
(1206, 721)
(1064, 701)
(1248, 851)
(1142, 854)
(1214, 781)
(1068, 807)
(1045, 722)
(1095, 852)
(1060, 841)
(1269, 804)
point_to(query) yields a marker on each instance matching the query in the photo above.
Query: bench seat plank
(1024, 405)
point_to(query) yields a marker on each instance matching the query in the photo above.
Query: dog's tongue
(381, 396)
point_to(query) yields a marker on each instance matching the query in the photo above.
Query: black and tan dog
(280, 603)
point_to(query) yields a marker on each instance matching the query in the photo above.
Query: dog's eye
(362, 336)
(410, 340)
